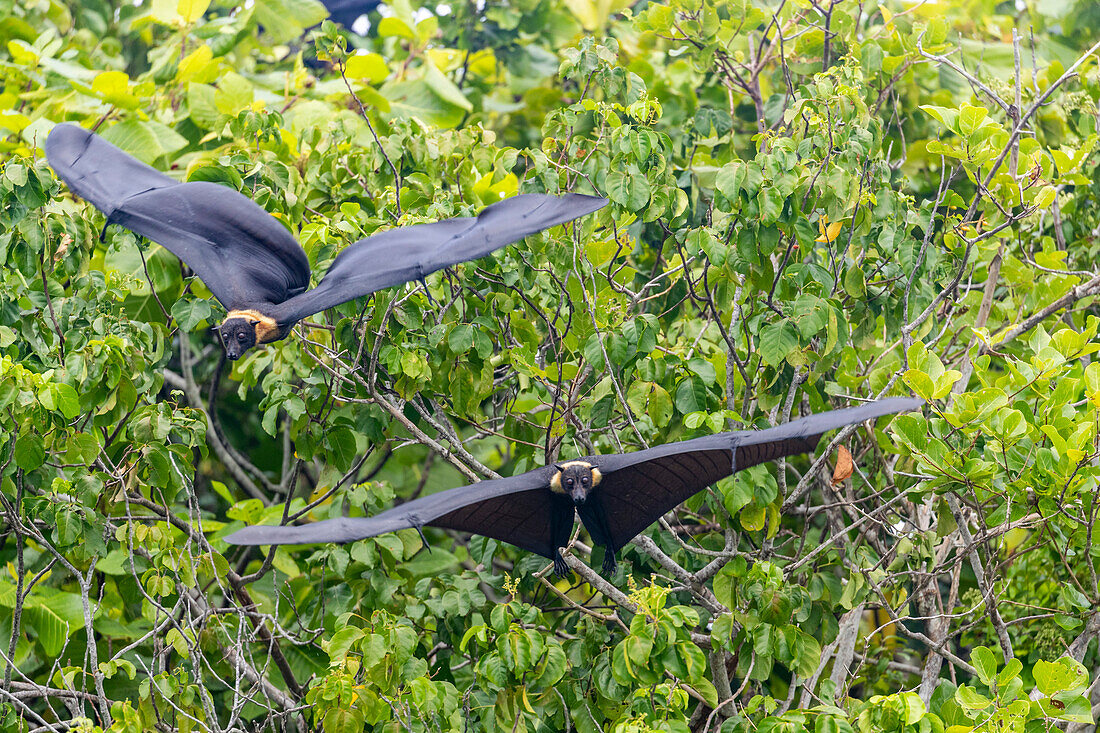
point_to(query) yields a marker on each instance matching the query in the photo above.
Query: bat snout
(579, 496)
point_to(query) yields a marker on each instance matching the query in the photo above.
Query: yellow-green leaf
(192, 10)
(369, 66)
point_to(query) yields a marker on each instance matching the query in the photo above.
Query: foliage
(810, 203)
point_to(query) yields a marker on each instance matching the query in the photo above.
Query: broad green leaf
(752, 518)
(30, 452)
(145, 140)
(949, 117)
(984, 663)
(630, 191)
(777, 341)
(192, 10)
(444, 88)
(369, 66)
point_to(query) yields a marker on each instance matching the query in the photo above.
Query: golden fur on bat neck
(266, 328)
(555, 482)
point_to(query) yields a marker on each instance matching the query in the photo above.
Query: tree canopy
(813, 203)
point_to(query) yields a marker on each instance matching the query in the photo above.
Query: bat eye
(584, 481)
(240, 337)
(568, 482)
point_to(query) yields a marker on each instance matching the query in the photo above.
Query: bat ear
(252, 322)
(559, 467)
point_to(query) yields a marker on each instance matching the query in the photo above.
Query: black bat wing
(516, 510)
(411, 253)
(242, 253)
(638, 488)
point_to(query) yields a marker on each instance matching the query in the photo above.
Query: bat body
(346, 12)
(253, 265)
(617, 495)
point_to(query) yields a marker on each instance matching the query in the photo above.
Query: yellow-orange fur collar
(266, 328)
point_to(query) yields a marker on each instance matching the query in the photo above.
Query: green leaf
(234, 94)
(30, 451)
(771, 204)
(691, 396)
(190, 312)
(178, 642)
(1046, 196)
(729, 178)
(369, 66)
(855, 283)
(392, 26)
(650, 398)
(970, 118)
(985, 664)
(192, 10)
(145, 140)
(461, 338)
(949, 117)
(777, 341)
(753, 517)
(444, 88)
(970, 699)
(920, 383)
(1059, 676)
(414, 98)
(286, 20)
(631, 191)
(54, 616)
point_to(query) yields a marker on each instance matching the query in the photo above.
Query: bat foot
(560, 568)
(609, 564)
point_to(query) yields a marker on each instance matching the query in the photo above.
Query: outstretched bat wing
(242, 253)
(516, 510)
(410, 253)
(637, 488)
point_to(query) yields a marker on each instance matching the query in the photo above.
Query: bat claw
(609, 564)
(427, 292)
(560, 568)
(423, 539)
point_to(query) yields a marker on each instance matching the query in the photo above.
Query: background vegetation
(813, 203)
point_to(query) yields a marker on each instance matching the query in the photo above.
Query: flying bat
(253, 265)
(616, 495)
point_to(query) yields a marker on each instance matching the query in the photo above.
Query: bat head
(238, 335)
(575, 479)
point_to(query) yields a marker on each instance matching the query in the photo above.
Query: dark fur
(238, 335)
(576, 481)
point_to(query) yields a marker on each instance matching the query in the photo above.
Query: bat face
(243, 329)
(238, 335)
(575, 479)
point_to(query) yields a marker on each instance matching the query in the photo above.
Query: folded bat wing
(638, 488)
(410, 253)
(242, 253)
(515, 510)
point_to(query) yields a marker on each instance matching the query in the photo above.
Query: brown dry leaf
(62, 248)
(843, 466)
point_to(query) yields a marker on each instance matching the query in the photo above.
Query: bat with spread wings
(253, 265)
(616, 495)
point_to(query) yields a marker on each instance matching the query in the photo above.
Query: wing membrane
(639, 487)
(410, 253)
(242, 253)
(514, 510)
